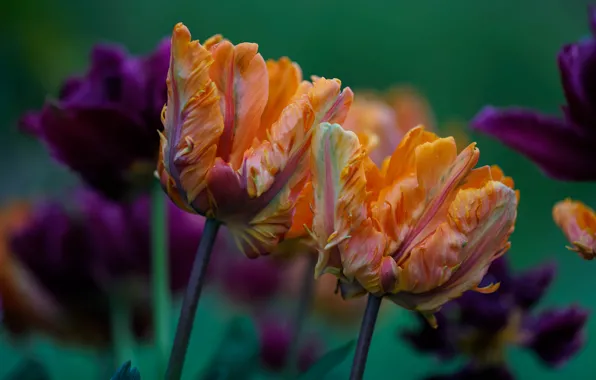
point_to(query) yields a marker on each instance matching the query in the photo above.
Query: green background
(462, 54)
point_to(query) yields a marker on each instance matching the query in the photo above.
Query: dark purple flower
(66, 263)
(251, 281)
(556, 335)
(430, 340)
(276, 336)
(532, 284)
(480, 327)
(565, 148)
(104, 124)
(471, 373)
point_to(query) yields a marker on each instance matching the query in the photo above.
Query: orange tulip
(380, 122)
(237, 131)
(578, 223)
(422, 230)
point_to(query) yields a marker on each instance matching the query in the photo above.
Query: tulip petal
(432, 261)
(577, 67)
(240, 74)
(284, 78)
(330, 104)
(363, 260)
(192, 120)
(552, 144)
(411, 109)
(578, 223)
(374, 122)
(420, 203)
(303, 215)
(260, 210)
(403, 159)
(485, 217)
(339, 181)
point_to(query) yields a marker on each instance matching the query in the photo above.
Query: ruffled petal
(192, 119)
(240, 74)
(374, 122)
(330, 104)
(284, 78)
(274, 175)
(485, 217)
(578, 223)
(339, 198)
(419, 200)
(552, 144)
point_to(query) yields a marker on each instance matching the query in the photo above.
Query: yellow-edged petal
(192, 120)
(339, 198)
(455, 258)
(284, 78)
(578, 223)
(240, 74)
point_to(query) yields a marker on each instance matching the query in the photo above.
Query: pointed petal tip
(180, 30)
(491, 288)
(482, 120)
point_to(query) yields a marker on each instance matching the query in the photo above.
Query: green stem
(191, 300)
(162, 302)
(302, 311)
(122, 336)
(364, 338)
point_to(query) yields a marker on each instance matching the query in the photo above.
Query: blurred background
(460, 54)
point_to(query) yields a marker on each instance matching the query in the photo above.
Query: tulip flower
(102, 125)
(420, 231)
(578, 222)
(237, 132)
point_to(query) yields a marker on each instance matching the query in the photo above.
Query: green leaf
(127, 372)
(237, 355)
(328, 362)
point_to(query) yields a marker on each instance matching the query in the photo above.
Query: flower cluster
(62, 263)
(298, 170)
(104, 125)
(480, 328)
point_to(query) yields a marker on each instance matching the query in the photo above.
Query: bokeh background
(461, 54)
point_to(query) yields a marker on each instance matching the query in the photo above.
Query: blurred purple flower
(104, 124)
(67, 261)
(246, 282)
(565, 148)
(276, 338)
(556, 335)
(251, 281)
(471, 373)
(481, 326)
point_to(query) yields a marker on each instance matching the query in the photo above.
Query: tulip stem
(366, 333)
(191, 300)
(122, 335)
(162, 302)
(302, 311)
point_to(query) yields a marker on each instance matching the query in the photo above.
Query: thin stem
(191, 300)
(122, 336)
(366, 332)
(304, 306)
(162, 301)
